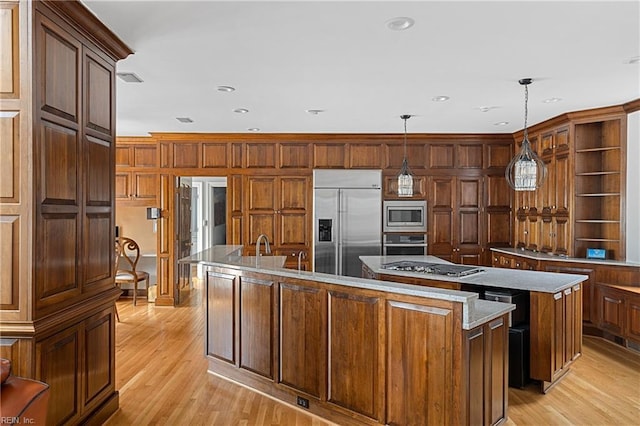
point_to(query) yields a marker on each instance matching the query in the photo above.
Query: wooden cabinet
(554, 195)
(277, 207)
(556, 333)
(455, 225)
(486, 348)
(610, 309)
(79, 365)
(137, 155)
(137, 181)
(57, 125)
(137, 188)
(354, 355)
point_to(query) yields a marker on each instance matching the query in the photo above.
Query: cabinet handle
(567, 291)
(557, 296)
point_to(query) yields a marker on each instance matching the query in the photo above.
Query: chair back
(127, 255)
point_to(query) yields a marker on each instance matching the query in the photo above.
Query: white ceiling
(287, 57)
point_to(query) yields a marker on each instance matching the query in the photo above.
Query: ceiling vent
(184, 119)
(129, 77)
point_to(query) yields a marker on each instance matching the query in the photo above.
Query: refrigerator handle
(338, 258)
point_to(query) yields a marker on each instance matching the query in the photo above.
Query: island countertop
(536, 255)
(515, 279)
(475, 310)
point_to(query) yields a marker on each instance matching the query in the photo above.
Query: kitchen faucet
(301, 254)
(267, 249)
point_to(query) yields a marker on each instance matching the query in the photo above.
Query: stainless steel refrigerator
(347, 219)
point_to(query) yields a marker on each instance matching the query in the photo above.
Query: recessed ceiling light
(486, 108)
(253, 129)
(129, 77)
(440, 98)
(241, 110)
(314, 111)
(400, 23)
(633, 61)
(551, 100)
(501, 123)
(184, 119)
(226, 89)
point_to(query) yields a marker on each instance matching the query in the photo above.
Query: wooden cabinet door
(609, 309)
(58, 364)
(303, 336)
(632, 323)
(145, 186)
(261, 207)
(354, 362)
(123, 186)
(257, 339)
(468, 221)
(441, 223)
(292, 211)
(221, 321)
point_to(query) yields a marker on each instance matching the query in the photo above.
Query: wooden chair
(127, 256)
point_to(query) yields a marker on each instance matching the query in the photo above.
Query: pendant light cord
(526, 111)
(405, 138)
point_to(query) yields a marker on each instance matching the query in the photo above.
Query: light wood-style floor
(162, 379)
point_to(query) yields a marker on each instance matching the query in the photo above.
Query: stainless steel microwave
(405, 216)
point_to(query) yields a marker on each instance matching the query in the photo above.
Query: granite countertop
(515, 279)
(535, 255)
(229, 256)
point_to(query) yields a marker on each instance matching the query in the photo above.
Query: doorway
(201, 206)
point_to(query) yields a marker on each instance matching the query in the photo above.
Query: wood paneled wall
(464, 161)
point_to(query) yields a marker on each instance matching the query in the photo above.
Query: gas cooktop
(432, 268)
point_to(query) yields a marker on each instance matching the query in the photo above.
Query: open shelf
(599, 166)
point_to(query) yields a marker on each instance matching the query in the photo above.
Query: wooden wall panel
(431, 364)
(60, 67)
(469, 156)
(498, 155)
(10, 158)
(9, 52)
(441, 156)
(186, 155)
(98, 178)
(214, 155)
(329, 156)
(10, 246)
(256, 326)
(261, 155)
(294, 155)
(98, 248)
(353, 368)
(57, 360)
(123, 156)
(417, 156)
(98, 96)
(145, 156)
(56, 272)
(57, 167)
(99, 333)
(302, 338)
(293, 229)
(367, 156)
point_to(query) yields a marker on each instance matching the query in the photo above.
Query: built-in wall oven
(404, 244)
(404, 216)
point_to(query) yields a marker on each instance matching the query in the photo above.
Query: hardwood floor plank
(162, 379)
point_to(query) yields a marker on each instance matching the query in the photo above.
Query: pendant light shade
(526, 171)
(405, 178)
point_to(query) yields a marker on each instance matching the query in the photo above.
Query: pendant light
(526, 171)
(405, 178)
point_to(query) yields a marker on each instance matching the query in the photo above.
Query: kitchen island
(554, 308)
(355, 350)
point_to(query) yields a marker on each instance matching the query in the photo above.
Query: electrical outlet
(303, 402)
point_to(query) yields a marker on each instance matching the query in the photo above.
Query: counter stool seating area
(127, 257)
